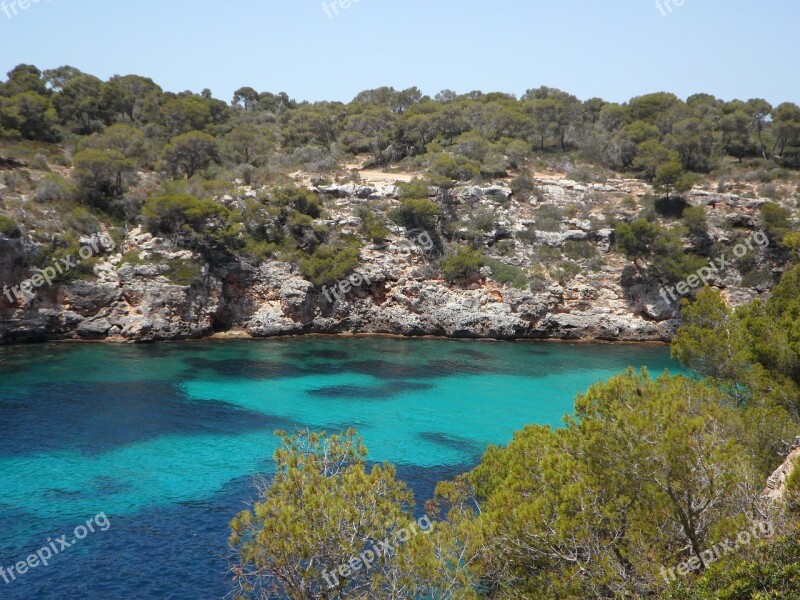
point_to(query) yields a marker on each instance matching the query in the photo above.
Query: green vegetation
(344, 508)
(170, 214)
(648, 473)
(128, 142)
(505, 273)
(461, 264)
(776, 220)
(331, 263)
(9, 228)
(657, 250)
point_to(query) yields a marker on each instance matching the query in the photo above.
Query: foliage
(712, 341)
(331, 263)
(98, 175)
(505, 273)
(170, 214)
(579, 250)
(9, 228)
(659, 247)
(190, 152)
(775, 219)
(766, 570)
(695, 220)
(373, 226)
(647, 472)
(416, 213)
(323, 507)
(462, 263)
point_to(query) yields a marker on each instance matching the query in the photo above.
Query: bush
(694, 218)
(462, 264)
(371, 225)
(546, 255)
(169, 214)
(331, 263)
(9, 228)
(293, 197)
(99, 175)
(505, 273)
(416, 189)
(579, 250)
(566, 271)
(549, 218)
(775, 220)
(184, 272)
(83, 221)
(416, 213)
(39, 163)
(53, 187)
(457, 168)
(523, 186)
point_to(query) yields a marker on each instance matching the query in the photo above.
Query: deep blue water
(165, 439)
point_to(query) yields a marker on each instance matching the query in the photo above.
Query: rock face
(397, 292)
(776, 484)
(395, 297)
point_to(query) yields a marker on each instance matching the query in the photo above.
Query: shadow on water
(366, 393)
(94, 418)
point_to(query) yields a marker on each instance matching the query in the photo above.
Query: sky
(614, 49)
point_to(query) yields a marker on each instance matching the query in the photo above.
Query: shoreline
(243, 336)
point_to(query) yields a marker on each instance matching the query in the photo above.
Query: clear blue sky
(614, 49)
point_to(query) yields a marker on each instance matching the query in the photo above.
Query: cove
(165, 439)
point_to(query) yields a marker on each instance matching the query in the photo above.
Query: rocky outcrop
(776, 484)
(397, 292)
(396, 297)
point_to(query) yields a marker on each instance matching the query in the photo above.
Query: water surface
(165, 438)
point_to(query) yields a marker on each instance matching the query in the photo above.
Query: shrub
(293, 197)
(694, 218)
(566, 271)
(39, 163)
(546, 255)
(184, 272)
(99, 175)
(416, 188)
(629, 202)
(506, 247)
(9, 228)
(579, 250)
(462, 264)
(331, 263)
(549, 218)
(775, 220)
(169, 214)
(53, 187)
(505, 273)
(83, 221)
(416, 213)
(522, 186)
(458, 168)
(372, 226)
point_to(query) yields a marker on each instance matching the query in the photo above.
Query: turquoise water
(164, 439)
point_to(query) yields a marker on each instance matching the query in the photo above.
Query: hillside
(463, 216)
